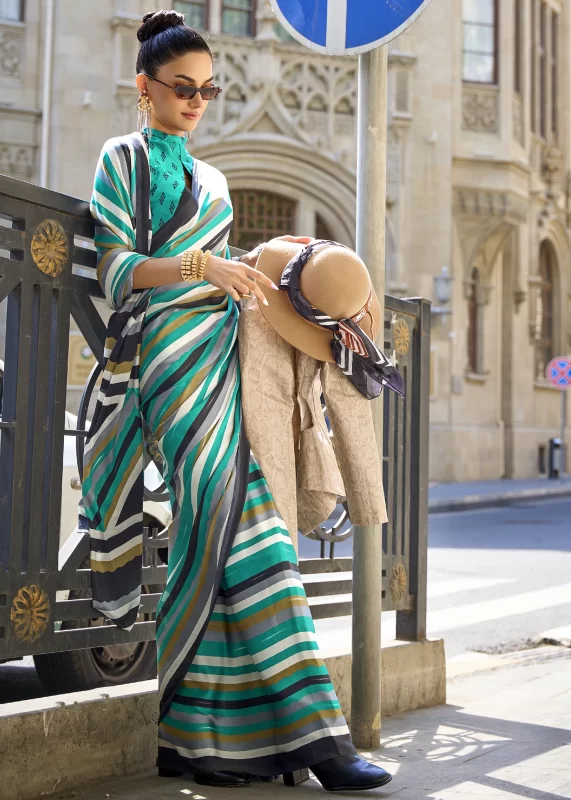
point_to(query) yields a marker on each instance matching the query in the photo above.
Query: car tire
(92, 668)
(95, 667)
(79, 670)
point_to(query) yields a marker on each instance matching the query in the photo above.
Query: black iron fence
(47, 274)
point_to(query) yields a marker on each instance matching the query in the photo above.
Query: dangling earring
(144, 115)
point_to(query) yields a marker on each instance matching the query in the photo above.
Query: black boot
(225, 780)
(169, 773)
(349, 773)
(222, 779)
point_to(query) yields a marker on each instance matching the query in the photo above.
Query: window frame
(546, 286)
(554, 69)
(207, 11)
(252, 18)
(534, 72)
(495, 54)
(542, 58)
(260, 216)
(474, 327)
(518, 47)
(545, 86)
(22, 14)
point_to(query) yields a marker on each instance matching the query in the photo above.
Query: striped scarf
(357, 355)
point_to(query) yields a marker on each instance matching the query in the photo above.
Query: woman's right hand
(236, 278)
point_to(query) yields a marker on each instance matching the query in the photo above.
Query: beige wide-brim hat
(334, 280)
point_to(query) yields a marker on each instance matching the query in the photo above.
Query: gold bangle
(188, 265)
(194, 264)
(185, 265)
(204, 258)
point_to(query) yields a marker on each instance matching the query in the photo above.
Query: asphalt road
(497, 579)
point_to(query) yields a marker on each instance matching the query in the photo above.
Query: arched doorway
(260, 216)
(322, 229)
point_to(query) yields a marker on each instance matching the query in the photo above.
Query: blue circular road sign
(346, 27)
(558, 372)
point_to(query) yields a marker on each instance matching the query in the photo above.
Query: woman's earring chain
(144, 115)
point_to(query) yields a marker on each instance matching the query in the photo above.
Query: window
(260, 216)
(554, 77)
(195, 12)
(534, 66)
(474, 327)
(479, 18)
(544, 349)
(518, 42)
(544, 70)
(282, 34)
(239, 17)
(12, 10)
(542, 55)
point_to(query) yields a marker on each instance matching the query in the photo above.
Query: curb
(54, 746)
(559, 637)
(473, 501)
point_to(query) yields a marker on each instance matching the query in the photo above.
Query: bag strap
(142, 222)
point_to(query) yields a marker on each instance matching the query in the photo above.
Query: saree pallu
(241, 684)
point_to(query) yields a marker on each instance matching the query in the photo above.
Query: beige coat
(284, 421)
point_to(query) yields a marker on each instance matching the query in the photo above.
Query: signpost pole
(558, 373)
(367, 540)
(563, 431)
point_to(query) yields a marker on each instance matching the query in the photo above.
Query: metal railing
(47, 273)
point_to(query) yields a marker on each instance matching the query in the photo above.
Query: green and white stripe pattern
(241, 683)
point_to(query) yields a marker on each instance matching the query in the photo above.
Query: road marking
(448, 619)
(456, 585)
(334, 634)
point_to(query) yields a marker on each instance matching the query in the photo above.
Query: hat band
(360, 314)
(355, 353)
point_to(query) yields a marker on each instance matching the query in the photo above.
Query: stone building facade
(478, 174)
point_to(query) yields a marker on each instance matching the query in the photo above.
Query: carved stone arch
(555, 232)
(482, 243)
(290, 169)
(317, 102)
(555, 238)
(235, 93)
(485, 221)
(345, 105)
(265, 113)
(320, 76)
(345, 82)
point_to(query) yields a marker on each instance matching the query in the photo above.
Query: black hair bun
(158, 21)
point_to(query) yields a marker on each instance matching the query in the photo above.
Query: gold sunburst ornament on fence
(50, 250)
(401, 336)
(30, 613)
(399, 583)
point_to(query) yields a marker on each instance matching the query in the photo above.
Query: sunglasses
(188, 92)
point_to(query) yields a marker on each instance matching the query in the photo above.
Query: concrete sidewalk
(504, 734)
(445, 497)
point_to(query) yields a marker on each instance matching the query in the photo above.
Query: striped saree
(241, 684)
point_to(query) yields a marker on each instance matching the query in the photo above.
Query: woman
(243, 692)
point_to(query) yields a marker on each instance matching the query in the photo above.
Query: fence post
(411, 626)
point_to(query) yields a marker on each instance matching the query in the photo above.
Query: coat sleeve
(355, 447)
(113, 213)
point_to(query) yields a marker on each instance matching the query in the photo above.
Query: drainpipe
(47, 92)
